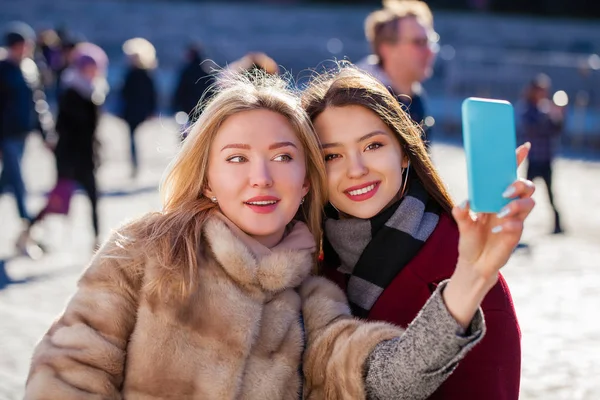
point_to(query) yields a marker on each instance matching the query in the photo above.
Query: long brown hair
(173, 235)
(347, 86)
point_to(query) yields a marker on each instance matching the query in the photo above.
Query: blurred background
(485, 48)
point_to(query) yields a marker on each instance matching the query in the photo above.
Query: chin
(362, 212)
(428, 74)
(262, 226)
(366, 214)
(256, 233)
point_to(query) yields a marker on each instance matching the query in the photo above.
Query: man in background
(19, 82)
(541, 123)
(404, 44)
(23, 108)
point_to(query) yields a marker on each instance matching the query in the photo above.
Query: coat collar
(251, 264)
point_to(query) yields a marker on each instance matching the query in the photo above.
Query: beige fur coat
(238, 336)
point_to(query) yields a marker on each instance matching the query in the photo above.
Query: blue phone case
(490, 142)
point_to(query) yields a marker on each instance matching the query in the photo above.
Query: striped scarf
(372, 252)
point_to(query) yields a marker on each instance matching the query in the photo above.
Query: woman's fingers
(509, 226)
(522, 153)
(483, 218)
(519, 208)
(461, 214)
(519, 188)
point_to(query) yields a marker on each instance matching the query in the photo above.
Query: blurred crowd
(55, 82)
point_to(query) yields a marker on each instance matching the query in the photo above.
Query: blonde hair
(381, 26)
(174, 233)
(347, 85)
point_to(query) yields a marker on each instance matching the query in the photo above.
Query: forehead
(256, 128)
(339, 123)
(411, 27)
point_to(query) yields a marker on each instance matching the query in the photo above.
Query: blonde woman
(212, 298)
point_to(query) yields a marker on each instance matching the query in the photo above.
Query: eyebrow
(244, 146)
(279, 145)
(361, 139)
(236, 146)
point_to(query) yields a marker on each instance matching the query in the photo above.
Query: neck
(270, 241)
(400, 83)
(15, 58)
(402, 86)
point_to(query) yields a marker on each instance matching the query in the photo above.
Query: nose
(260, 175)
(356, 167)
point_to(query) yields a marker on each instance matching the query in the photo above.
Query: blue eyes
(237, 159)
(283, 158)
(280, 158)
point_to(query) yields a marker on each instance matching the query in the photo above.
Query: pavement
(554, 279)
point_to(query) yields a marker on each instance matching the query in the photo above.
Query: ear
(405, 161)
(208, 191)
(305, 187)
(384, 50)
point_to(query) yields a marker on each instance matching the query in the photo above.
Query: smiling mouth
(363, 193)
(261, 203)
(364, 190)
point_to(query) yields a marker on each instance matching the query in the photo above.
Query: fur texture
(238, 336)
(338, 343)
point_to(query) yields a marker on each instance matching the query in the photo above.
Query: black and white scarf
(371, 252)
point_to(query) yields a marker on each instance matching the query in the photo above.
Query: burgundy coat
(492, 370)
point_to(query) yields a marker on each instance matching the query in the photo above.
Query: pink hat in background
(87, 53)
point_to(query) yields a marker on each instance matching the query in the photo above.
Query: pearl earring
(302, 201)
(214, 199)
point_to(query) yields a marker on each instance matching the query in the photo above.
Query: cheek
(335, 174)
(292, 176)
(225, 178)
(388, 164)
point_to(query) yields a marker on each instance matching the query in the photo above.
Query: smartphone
(490, 142)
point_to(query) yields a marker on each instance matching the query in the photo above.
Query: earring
(214, 199)
(405, 179)
(334, 207)
(302, 201)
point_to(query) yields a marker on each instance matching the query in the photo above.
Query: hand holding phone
(490, 140)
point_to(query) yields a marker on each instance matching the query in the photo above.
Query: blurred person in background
(403, 41)
(21, 102)
(138, 94)
(250, 62)
(84, 89)
(48, 56)
(541, 122)
(68, 41)
(255, 61)
(194, 82)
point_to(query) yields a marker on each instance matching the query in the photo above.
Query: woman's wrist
(464, 293)
(479, 280)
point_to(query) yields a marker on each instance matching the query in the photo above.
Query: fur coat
(249, 328)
